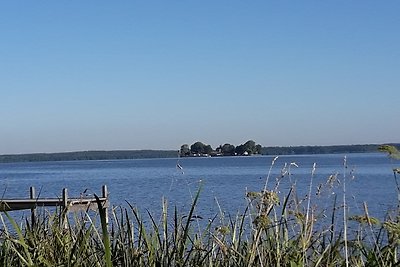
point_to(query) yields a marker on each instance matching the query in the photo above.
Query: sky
(107, 75)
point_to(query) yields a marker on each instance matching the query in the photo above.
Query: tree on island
(228, 150)
(185, 150)
(200, 149)
(248, 148)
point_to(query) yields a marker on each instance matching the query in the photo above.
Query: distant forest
(90, 155)
(139, 154)
(337, 149)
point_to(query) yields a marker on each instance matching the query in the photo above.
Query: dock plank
(22, 204)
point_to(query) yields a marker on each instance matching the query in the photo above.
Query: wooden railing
(67, 204)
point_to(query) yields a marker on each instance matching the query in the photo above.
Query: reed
(274, 229)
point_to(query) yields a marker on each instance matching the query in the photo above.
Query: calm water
(225, 180)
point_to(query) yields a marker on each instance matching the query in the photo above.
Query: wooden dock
(67, 204)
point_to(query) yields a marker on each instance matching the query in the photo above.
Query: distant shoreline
(89, 155)
(144, 154)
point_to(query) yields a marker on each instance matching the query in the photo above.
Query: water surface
(225, 180)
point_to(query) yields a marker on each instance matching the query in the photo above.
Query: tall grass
(274, 229)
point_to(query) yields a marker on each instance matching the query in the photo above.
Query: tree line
(89, 155)
(200, 149)
(334, 149)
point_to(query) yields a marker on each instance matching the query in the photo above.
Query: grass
(273, 230)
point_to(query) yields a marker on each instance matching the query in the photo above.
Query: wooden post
(65, 198)
(33, 210)
(105, 195)
(64, 211)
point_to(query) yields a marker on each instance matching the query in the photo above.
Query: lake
(225, 180)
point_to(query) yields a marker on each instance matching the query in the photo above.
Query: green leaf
(106, 237)
(21, 240)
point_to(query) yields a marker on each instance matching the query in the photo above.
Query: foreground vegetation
(274, 230)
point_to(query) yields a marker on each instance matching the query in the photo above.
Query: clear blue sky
(94, 75)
